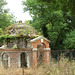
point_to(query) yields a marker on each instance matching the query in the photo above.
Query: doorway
(40, 49)
(23, 60)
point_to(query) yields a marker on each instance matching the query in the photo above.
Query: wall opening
(23, 59)
(5, 60)
(40, 49)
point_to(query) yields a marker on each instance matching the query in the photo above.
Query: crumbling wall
(14, 57)
(16, 43)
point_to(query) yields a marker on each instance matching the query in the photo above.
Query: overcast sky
(16, 8)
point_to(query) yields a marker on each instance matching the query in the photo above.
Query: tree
(69, 42)
(1, 31)
(65, 5)
(52, 18)
(5, 18)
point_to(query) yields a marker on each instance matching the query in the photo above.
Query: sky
(16, 8)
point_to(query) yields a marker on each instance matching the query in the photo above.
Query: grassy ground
(15, 71)
(63, 67)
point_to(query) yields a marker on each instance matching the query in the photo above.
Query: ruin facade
(27, 49)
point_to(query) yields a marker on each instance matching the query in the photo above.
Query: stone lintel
(34, 49)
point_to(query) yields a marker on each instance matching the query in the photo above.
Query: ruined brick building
(24, 47)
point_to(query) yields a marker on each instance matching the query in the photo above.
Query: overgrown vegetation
(55, 19)
(63, 67)
(6, 18)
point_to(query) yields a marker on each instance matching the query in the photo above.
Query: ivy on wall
(3, 38)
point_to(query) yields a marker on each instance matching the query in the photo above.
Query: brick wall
(34, 44)
(14, 56)
(34, 59)
(46, 52)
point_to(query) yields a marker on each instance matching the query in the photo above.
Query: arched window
(4, 60)
(40, 49)
(23, 60)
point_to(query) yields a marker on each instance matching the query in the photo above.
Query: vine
(3, 38)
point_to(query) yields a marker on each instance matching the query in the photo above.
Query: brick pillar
(34, 58)
(46, 55)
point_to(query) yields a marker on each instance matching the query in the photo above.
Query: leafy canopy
(53, 18)
(5, 18)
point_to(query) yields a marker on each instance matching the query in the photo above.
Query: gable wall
(34, 44)
(46, 52)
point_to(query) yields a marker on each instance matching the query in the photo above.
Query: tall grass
(15, 71)
(63, 67)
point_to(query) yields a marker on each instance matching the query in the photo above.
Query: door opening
(23, 60)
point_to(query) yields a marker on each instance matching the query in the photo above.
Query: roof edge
(40, 37)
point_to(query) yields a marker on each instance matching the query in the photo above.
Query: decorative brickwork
(41, 46)
(37, 52)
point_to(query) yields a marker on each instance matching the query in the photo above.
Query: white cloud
(16, 8)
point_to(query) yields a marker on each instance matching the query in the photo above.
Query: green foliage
(65, 5)
(3, 38)
(57, 29)
(27, 21)
(53, 18)
(1, 31)
(70, 40)
(2, 4)
(5, 18)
